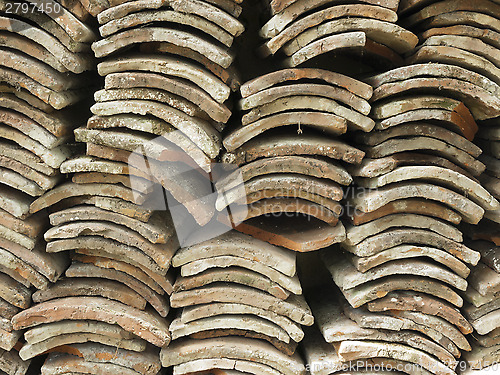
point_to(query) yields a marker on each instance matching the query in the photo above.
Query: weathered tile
(45, 331)
(182, 351)
(168, 66)
(14, 202)
(364, 264)
(212, 13)
(286, 144)
(375, 199)
(336, 327)
(200, 132)
(160, 253)
(146, 362)
(355, 120)
(327, 90)
(310, 205)
(487, 323)
(346, 276)
(474, 90)
(356, 41)
(443, 176)
(158, 229)
(30, 127)
(373, 290)
(29, 351)
(326, 122)
(14, 293)
(59, 363)
(53, 26)
(356, 234)
(412, 144)
(490, 252)
(380, 321)
(459, 121)
(163, 277)
(20, 183)
(294, 307)
(394, 237)
(479, 357)
(121, 266)
(45, 182)
(386, 33)
(377, 167)
(409, 206)
(183, 89)
(269, 80)
(20, 155)
(8, 340)
(192, 313)
(73, 287)
(481, 6)
(277, 6)
(145, 324)
(289, 10)
(166, 15)
(12, 364)
(195, 267)
(76, 63)
(23, 44)
(51, 157)
(485, 280)
(479, 300)
(486, 35)
(237, 244)
(57, 100)
(145, 34)
(304, 165)
(138, 184)
(227, 322)
(232, 275)
(22, 269)
(94, 245)
(331, 13)
(86, 270)
(439, 50)
(284, 185)
(69, 190)
(223, 366)
(230, 75)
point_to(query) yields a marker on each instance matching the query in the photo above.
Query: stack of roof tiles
(240, 307)
(45, 59)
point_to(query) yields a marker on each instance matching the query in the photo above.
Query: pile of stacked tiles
(488, 138)
(288, 156)
(241, 308)
(45, 59)
(115, 292)
(482, 307)
(467, 35)
(463, 33)
(156, 125)
(403, 260)
(168, 77)
(305, 30)
(312, 103)
(403, 253)
(398, 333)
